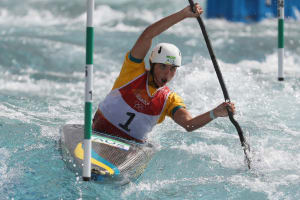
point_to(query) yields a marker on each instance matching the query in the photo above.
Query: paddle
(245, 145)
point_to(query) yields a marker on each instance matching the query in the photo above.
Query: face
(163, 73)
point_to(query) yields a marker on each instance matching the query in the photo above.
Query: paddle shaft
(221, 81)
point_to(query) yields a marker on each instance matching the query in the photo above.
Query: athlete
(140, 98)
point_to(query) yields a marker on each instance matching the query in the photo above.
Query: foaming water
(42, 56)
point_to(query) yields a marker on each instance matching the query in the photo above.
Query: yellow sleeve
(174, 102)
(129, 71)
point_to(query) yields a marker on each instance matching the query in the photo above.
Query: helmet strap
(152, 74)
(152, 68)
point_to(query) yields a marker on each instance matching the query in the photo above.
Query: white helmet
(166, 53)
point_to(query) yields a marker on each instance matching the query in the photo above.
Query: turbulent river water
(42, 59)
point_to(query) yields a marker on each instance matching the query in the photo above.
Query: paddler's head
(164, 60)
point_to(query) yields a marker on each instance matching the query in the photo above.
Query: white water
(42, 87)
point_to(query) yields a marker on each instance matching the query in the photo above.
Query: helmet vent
(159, 50)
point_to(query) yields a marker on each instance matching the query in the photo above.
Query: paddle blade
(246, 149)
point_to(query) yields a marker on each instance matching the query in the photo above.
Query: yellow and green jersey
(133, 68)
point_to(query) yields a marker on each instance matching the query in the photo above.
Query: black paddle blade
(246, 149)
(245, 145)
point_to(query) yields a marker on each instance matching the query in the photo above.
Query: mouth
(164, 81)
(160, 82)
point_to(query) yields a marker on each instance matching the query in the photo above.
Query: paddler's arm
(185, 119)
(143, 44)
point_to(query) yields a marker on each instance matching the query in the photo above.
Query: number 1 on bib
(125, 126)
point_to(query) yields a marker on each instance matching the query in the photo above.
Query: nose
(168, 70)
(169, 73)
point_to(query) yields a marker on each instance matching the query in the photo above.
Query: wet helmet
(166, 53)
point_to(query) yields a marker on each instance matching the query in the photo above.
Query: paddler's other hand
(221, 110)
(196, 12)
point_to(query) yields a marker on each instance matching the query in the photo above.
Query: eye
(163, 66)
(173, 68)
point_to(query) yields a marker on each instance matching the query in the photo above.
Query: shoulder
(132, 64)
(131, 69)
(174, 97)
(132, 61)
(175, 102)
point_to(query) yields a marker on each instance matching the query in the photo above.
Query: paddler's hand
(221, 110)
(196, 12)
